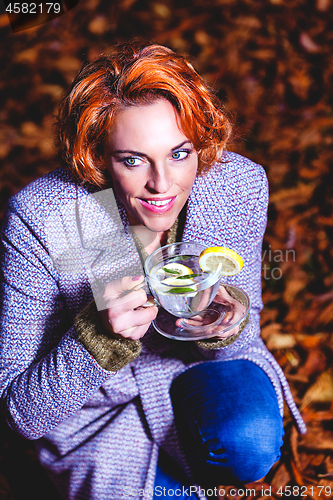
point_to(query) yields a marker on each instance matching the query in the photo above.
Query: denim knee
(229, 421)
(246, 448)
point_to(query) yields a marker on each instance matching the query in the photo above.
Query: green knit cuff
(213, 343)
(110, 353)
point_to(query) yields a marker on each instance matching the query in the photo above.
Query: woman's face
(152, 163)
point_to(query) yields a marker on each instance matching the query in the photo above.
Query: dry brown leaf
(263, 54)
(99, 25)
(328, 475)
(300, 82)
(280, 341)
(268, 315)
(323, 446)
(320, 416)
(286, 198)
(68, 63)
(294, 436)
(54, 90)
(321, 391)
(126, 4)
(325, 316)
(323, 5)
(282, 475)
(249, 22)
(28, 55)
(162, 10)
(312, 341)
(293, 287)
(308, 44)
(4, 21)
(315, 363)
(270, 329)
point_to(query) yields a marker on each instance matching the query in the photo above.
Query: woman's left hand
(236, 312)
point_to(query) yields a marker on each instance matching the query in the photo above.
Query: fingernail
(136, 278)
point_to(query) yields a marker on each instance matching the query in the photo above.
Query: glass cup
(185, 297)
(182, 296)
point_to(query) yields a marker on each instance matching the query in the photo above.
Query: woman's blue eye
(132, 161)
(180, 155)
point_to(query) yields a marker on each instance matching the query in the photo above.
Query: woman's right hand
(123, 315)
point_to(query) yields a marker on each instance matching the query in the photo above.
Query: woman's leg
(170, 481)
(229, 421)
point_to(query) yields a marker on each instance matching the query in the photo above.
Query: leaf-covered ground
(271, 62)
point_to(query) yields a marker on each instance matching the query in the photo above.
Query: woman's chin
(158, 224)
(161, 226)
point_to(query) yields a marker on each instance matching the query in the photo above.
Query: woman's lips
(158, 206)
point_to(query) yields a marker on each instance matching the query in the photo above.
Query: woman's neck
(149, 239)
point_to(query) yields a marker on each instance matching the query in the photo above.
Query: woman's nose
(160, 179)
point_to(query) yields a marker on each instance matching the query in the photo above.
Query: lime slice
(211, 257)
(182, 290)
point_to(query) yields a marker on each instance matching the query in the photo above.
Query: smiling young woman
(115, 408)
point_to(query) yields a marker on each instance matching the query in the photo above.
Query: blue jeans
(229, 423)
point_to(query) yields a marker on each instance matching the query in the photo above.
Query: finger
(116, 288)
(127, 303)
(193, 321)
(133, 319)
(227, 334)
(229, 316)
(117, 326)
(222, 296)
(134, 333)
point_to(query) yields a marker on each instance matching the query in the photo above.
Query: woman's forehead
(148, 124)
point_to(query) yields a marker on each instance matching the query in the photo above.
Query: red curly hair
(134, 74)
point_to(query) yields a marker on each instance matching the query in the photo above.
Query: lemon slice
(171, 272)
(174, 269)
(211, 257)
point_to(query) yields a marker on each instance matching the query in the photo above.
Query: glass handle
(151, 302)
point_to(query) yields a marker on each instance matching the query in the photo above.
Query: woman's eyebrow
(127, 151)
(138, 153)
(181, 145)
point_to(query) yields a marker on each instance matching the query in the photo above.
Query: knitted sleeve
(46, 373)
(110, 353)
(214, 344)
